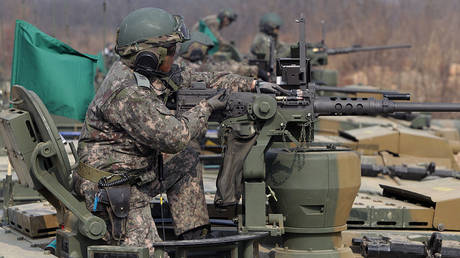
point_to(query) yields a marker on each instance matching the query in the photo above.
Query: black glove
(218, 101)
(263, 75)
(266, 87)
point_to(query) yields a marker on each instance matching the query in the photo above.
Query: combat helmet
(269, 22)
(149, 29)
(229, 13)
(196, 48)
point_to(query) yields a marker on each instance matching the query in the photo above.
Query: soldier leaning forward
(128, 126)
(212, 25)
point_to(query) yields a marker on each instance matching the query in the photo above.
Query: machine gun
(359, 48)
(318, 52)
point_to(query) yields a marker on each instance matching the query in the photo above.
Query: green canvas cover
(203, 28)
(100, 65)
(62, 77)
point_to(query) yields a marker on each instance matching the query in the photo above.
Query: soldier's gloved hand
(218, 101)
(266, 87)
(263, 75)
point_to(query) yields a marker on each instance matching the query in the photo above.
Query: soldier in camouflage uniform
(193, 56)
(128, 126)
(269, 26)
(211, 26)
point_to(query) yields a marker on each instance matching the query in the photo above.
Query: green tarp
(100, 64)
(62, 77)
(203, 27)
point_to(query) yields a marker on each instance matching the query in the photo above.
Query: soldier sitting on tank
(212, 25)
(193, 56)
(128, 126)
(269, 26)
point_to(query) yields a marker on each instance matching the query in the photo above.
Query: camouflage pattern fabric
(210, 65)
(214, 25)
(183, 184)
(261, 45)
(217, 79)
(125, 129)
(127, 125)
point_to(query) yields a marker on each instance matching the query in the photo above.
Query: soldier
(269, 26)
(128, 126)
(193, 56)
(211, 26)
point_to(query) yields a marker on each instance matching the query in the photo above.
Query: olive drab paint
(315, 190)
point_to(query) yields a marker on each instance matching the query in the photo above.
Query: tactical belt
(114, 197)
(95, 175)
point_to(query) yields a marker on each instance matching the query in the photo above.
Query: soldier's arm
(214, 27)
(149, 122)
(219, 80)
(261, 45)
(283, 49)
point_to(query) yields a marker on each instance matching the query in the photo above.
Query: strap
(94, 174)
(142, 81)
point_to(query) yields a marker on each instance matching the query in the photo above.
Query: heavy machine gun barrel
(346, 50)
(327, 106)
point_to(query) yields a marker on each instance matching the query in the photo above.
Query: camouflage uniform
(213, 24)
(261, 45)
(126, 127)
(210, 65)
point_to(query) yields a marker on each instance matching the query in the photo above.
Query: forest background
(430, 69)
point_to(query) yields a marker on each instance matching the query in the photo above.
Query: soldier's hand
(263, 75)
(218, 101)
(266, 87)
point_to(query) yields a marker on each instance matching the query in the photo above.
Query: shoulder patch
(142, 81)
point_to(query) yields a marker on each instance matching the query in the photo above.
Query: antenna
(323, 32)
(302, 54)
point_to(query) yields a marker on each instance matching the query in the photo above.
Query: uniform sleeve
(149, 122)
(283, 49)
(260, 45)
(214, 27)
(218, 80)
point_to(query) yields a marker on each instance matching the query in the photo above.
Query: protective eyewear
(181, 29)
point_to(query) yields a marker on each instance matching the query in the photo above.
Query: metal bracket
(91, 226)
